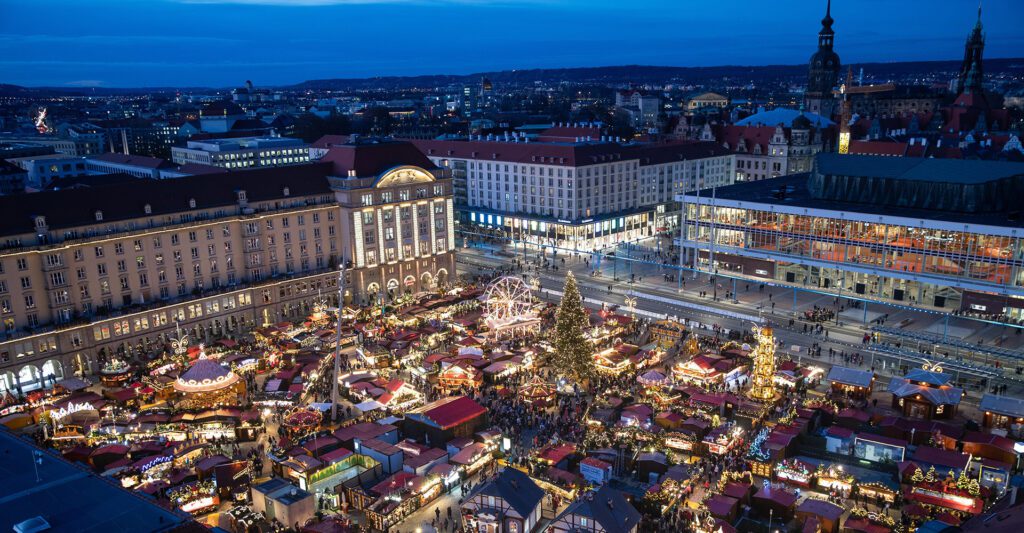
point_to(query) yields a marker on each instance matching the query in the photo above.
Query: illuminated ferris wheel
(508, 298)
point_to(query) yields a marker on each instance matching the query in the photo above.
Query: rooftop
(783, 116)
(448, 412)
(792, 192)
(71, 498)
(967, 171)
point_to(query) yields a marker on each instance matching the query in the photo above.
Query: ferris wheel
(507, 298)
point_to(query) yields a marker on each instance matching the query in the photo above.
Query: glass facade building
(964, 263)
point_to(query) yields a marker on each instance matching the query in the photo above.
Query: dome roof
(205, 375)
(784, 116)
(826, 59)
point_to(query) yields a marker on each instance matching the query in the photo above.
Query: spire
(971, 70)
(826, 23)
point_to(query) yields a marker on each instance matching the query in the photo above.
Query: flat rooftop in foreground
(73, 499)
(798, 195)
(963, 171)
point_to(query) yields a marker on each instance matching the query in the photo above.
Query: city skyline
(188, 43)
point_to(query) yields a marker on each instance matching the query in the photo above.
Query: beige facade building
(86, 274)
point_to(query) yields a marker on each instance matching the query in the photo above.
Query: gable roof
(448, 412)
(516, 488)
(608, 507)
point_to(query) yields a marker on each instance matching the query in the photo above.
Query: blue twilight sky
(134, 43)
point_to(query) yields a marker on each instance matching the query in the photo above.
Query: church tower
(823, 70)
(971, 73)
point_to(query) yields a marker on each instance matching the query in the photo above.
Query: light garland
(757, 451)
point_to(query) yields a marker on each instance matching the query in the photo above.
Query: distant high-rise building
(823, 71)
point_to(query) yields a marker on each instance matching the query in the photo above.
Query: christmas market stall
(209, 384)
(795, 472)
(723, 439)
(115, 373)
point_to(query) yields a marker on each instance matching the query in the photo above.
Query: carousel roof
(205, 375)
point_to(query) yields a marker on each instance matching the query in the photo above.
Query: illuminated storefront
(862, 247)
(592, 233)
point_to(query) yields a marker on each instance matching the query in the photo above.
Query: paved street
(777, 306)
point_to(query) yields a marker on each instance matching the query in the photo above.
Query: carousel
(537, 391)
(115, 373)
(209, 384)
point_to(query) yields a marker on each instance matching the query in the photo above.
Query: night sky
(138, 43)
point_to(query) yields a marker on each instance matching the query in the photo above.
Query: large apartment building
(579, 195)
(246, 152)
(89, 273)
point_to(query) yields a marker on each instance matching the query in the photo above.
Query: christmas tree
(573, 353)
(918, 476)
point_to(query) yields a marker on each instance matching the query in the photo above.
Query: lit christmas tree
(574, 354)
(918, 476)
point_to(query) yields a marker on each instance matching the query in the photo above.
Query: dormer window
(192, 203)
(99, 216)
(40, 222)
(148, 209)
(242, 197)
(287, 191)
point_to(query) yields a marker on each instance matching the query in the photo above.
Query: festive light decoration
(731, 476)
(508, 299)
(757, 451)
(763, 374)
(573, 354)
(918, 476)
(930, 476)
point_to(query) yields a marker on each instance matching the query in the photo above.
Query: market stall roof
(369, 405)
(780, 497)
(721, 505)
(822, 508)
(1003, 405)
(469, 454)
(205, 375)
(73, 384)
(936, 395)
(928, 455)
(447, 412)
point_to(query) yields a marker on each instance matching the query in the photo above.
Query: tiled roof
(372, 158)
(607, 507)
(65, 209)
(516, 488)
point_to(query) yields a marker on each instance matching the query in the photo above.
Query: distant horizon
(480, 72)
(221, 43)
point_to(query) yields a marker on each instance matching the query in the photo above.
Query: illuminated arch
(403, 175)
(427, 281)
